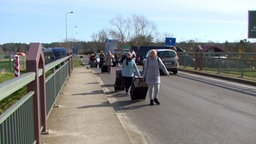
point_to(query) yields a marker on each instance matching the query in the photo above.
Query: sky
(44, 21)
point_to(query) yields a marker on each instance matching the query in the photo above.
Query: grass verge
(13, 98)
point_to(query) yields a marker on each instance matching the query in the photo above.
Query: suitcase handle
(141, 82)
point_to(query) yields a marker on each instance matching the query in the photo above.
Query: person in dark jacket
(102, 59)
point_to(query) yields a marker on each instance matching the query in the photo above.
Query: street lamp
(75, 33)
(67, 24)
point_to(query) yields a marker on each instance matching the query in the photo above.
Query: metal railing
(241, 65)
(23, 122)
(55, 81)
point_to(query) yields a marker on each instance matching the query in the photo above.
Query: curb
(234, 79)
(135, 135)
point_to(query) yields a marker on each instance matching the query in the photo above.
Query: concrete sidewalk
(85, 115)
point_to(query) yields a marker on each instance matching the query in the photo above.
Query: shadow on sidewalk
(92, 83)
(103, 104)
(107, 85)
(116, 94)
(96, 92)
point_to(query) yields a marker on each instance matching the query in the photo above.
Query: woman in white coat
(151, 75)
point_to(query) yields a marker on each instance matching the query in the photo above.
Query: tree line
(133, 31)
(95, 47)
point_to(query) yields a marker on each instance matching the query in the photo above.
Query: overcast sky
(201, 20)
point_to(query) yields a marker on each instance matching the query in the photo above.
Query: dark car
(52, 54)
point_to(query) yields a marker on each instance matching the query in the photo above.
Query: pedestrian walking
(151, 75)
(129, 68)
(109, 60)
(102, 58)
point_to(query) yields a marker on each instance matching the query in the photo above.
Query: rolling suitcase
(119, 82)
(93, 64)
(104, 68)
(138, 89)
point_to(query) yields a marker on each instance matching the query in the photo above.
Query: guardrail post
(199, 58)
(70, 61)
(242, 61)
(35, 60)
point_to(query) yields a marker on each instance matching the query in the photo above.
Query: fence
(7, 63)
(24, 121)
(227, 63)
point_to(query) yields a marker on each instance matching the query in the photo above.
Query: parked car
(169, 58)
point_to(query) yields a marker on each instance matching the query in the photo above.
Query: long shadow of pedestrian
(96, 92)
(115, 94)
(103, 104)
(92, 83)
(107, 85)
(124, 104)
(128, 105)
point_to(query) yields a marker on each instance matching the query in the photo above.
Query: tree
(136, 30)
(99, 40)
(141, 27)
(121, 30)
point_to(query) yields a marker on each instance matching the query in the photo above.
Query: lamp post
(75, 50)
(75, 32)
(67, 24)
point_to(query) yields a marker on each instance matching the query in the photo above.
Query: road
(194, 110)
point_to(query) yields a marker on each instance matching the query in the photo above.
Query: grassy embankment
(12, 99)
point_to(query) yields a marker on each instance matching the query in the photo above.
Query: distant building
(209, 48)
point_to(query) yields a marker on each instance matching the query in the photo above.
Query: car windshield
(166, 54)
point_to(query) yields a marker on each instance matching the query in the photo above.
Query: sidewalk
(84, 116)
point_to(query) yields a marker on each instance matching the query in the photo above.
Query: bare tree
(121, 30)
(99, 40)
(101, 36)
(160, 38)
(137, 30)
(142, 29)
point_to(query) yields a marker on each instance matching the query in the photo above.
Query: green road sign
(252, 24)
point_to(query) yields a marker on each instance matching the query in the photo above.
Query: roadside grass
(4, 76)
(77, 62)
(13, 98)
(235, 73)
(5, 65)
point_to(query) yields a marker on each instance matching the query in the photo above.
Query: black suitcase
(93, 64)
(104, 68)
(138, 89)
(119, 82)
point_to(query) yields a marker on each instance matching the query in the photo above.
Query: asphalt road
(194, 110)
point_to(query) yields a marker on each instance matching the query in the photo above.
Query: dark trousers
(109, 68)
(127, 83)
